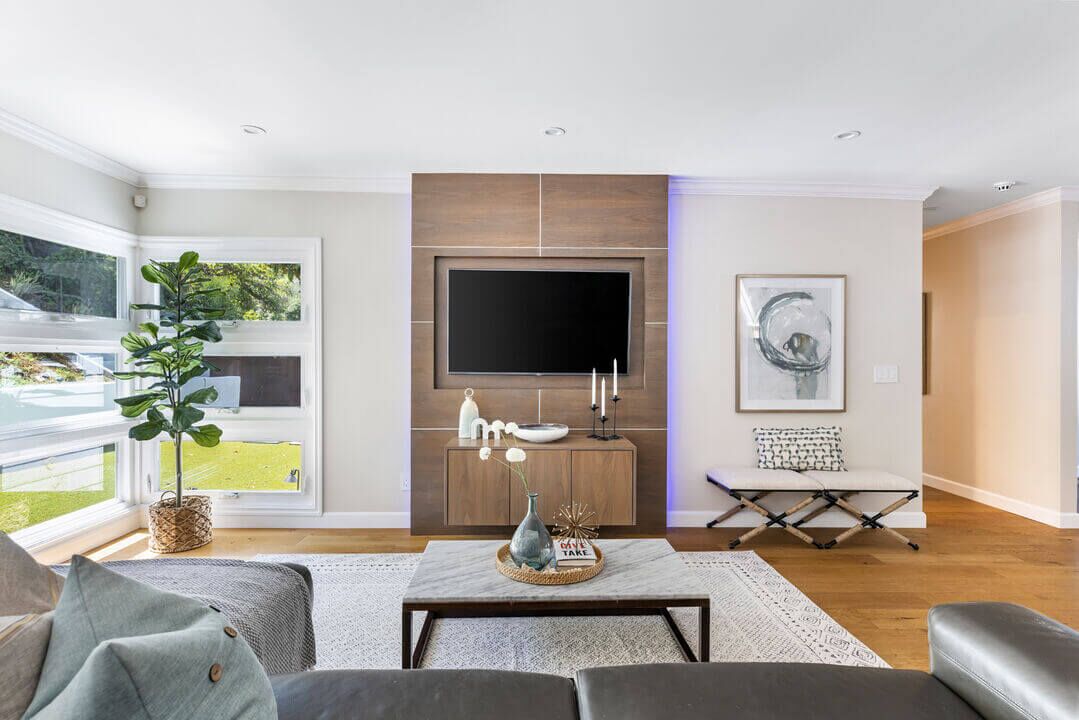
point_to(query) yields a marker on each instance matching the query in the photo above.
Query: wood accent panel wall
(512, 218)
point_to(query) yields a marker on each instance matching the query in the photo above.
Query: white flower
(515, 455)
(485, 453)
(511, 428)
(498, 425)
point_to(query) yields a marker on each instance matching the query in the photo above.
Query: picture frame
(790, 343)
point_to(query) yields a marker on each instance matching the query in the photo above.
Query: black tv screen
(538, 322)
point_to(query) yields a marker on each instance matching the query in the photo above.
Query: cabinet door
(603, 480)
(548, 475)
(477, 491)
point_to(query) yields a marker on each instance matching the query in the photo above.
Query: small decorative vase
(531, 544)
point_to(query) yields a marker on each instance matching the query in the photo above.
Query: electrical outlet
(885, 373)
(406, 482)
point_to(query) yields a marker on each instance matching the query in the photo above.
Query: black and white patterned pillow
(799, 448)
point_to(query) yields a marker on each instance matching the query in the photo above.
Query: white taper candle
(593, 387)
(616, 377)
(603, 398)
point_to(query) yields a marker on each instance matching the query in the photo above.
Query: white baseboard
(748, 518)
(329, 520)
(1037, 513)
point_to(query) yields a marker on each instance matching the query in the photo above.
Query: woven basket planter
(176, 529)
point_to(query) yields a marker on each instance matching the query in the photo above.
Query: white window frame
(71, 422)
(25, 218)
(37, 331)
(258, 337)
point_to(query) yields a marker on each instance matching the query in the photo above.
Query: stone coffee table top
(463, 571)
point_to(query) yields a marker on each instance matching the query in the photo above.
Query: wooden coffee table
(458, 578)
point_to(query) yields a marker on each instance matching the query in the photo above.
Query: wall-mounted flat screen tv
(538, 322)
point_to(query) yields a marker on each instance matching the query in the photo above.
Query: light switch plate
(885, 373)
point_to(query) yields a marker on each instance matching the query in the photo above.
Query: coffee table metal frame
(412, 657)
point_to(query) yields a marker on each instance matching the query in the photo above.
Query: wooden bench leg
(869, 522)
(774, 519)
(735, 510)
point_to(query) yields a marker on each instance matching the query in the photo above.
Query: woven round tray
(547, 577)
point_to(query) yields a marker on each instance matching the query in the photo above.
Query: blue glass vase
(531, 544)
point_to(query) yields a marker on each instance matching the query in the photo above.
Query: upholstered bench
(838, 486)
(750, 485)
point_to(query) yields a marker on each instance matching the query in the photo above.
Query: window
(269, 389)
(66, 463)
(43, 276)
(255, 291)
(37, 387)
(235, 465)
(255, 381)
(34, 491)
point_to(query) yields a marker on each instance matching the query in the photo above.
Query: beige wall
(1000, 415)
(365, 306)
(30, 173)
(877, 244)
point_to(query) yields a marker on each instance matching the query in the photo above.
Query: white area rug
(757, 616)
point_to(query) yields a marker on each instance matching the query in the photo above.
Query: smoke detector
(1004, 185)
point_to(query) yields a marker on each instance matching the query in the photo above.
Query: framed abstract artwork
(790, 343)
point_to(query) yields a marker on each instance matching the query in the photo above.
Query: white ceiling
(957, 94)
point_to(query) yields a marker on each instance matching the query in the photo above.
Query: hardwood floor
(873, 586)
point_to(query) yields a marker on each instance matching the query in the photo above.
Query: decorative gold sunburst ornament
(574, 521)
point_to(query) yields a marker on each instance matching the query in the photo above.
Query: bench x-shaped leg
(829, 504)
(774, 519)
(869, 521)
(736, 509)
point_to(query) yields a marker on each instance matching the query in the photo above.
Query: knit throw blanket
(268, 604)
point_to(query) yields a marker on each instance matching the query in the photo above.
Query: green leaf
(137, 374)
(133, 341)
(208, 331)
(184, 416)
(202, 396)
(132, 400)
(193, 373)
(155, 415)
(147, 430)
(133, 411)
(187, 261)
(147, 349)
(149, 327)
(206, 435)
(153, 275)
(146, 306)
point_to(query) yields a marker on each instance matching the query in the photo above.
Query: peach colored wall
(1000, 414)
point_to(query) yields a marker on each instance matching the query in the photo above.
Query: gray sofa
(989, 660)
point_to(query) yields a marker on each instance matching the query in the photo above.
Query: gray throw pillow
(23, 642)
(25, 586)
(123, 649)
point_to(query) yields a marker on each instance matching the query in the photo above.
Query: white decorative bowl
(542, 432)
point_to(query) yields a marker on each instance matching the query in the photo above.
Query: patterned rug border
(807, 624)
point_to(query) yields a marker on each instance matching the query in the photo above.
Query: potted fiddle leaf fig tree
(166, 357)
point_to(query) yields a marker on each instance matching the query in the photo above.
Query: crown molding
(62, 147)
(166, 181)
(1030, 202)
(716, 186)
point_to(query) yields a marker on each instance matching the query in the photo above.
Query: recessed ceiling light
(253, 130)
(554, 131)
(847, 135)
(1004, 185)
